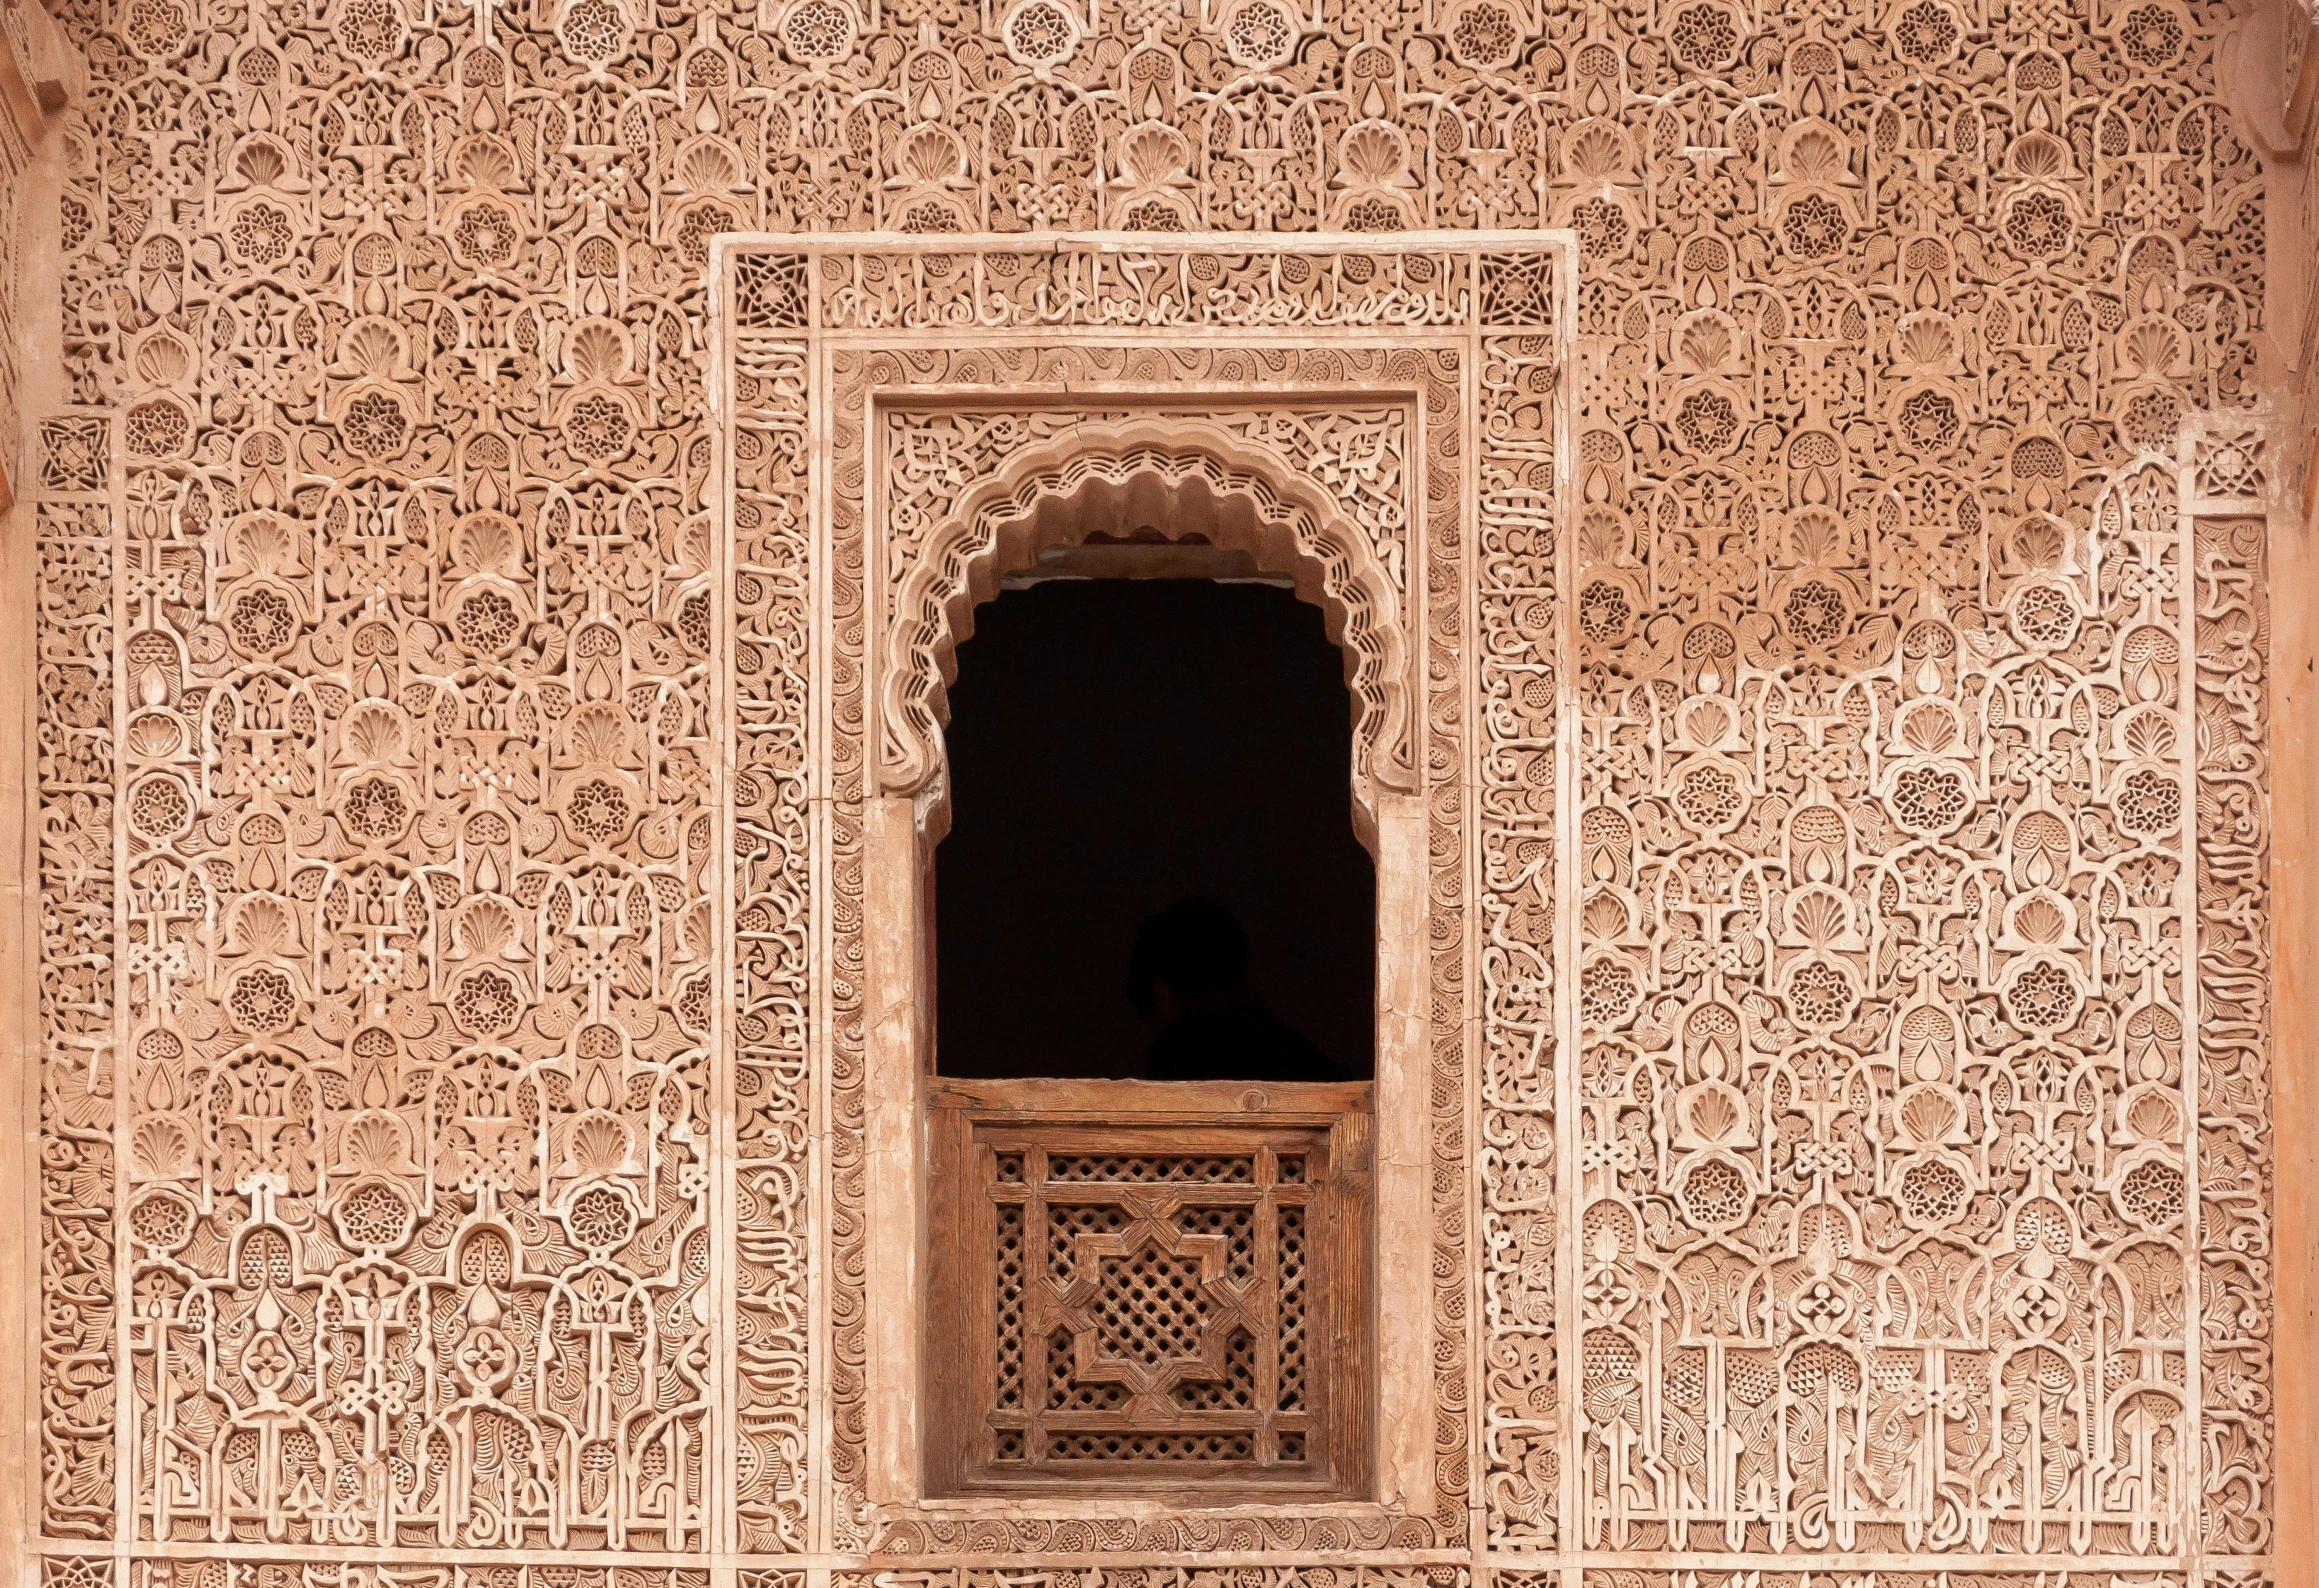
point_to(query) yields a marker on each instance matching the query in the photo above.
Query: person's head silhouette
(1189, 980)
(1184, 956)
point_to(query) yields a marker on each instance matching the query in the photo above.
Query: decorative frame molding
(833, 354)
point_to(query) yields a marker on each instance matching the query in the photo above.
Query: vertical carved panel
(2225, 484)
(1896, 807)
(419, 987)
(418, 953)
(1891, 1066)
(1518, 656)
(1888, 1066)
(80, 1295)
(1454, 1157)
(15, 157)
(771, 779)
(839, 990)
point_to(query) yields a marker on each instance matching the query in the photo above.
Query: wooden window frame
(900, 1372)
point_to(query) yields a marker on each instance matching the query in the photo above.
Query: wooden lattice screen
(1146, 1287)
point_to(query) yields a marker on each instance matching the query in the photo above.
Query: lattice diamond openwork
(1152, 1309)
(1193, 1294)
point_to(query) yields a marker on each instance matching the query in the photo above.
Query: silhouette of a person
(1189, 980)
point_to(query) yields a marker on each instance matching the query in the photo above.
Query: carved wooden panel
(1150, 1291)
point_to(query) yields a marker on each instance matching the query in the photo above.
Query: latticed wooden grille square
(1150, 1288)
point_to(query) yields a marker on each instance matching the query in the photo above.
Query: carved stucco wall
(1339, 393)
(1880, 1185)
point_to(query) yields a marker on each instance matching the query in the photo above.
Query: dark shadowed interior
(1116, 746)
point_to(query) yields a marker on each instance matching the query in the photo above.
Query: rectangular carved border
(811, 329)
(1352, 418)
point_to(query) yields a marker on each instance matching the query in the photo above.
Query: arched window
(1139, 667)
(1164, 757)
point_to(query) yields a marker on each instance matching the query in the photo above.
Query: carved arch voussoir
(1184, 477)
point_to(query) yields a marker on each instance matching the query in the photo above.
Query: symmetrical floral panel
(1815, 595)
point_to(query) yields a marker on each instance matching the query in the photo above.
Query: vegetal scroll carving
(1835, 688)
(1897, 1086)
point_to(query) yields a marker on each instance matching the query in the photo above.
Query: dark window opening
(1120, 746)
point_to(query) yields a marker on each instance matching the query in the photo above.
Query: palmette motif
(1848, 815)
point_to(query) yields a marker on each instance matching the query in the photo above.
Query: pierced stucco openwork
(1801, 567)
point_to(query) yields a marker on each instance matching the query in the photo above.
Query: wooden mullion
(1271, 1361)
(1341, 1365)
(1030, 1389)
(1264, 1291)
(957, 1305)
(1040, 1302)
